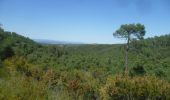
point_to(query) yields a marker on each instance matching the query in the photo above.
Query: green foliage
(137, 70)
(6, 52)
(29, 70)
(130, 32)
(22, 88)
(126, 30)
(135, 88)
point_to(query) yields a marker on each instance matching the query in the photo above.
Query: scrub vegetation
(33, 71)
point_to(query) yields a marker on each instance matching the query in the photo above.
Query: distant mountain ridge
(44, 41)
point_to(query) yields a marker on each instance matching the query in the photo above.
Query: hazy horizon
(85, 21)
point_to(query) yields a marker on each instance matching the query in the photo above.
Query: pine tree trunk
(126, 59)
(126, 54)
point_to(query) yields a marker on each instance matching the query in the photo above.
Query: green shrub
(135, 88)
(22, 88)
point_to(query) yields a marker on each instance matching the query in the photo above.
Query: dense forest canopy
(29, 70)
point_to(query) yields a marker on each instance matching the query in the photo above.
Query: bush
(22, 88)
(78, 85)
(135, 88)
(137, 70)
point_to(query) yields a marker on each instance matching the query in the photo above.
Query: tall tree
(130, 32)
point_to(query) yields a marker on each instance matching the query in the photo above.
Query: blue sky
(87, 21)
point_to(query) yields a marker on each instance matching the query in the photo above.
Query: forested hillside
(29, 70)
